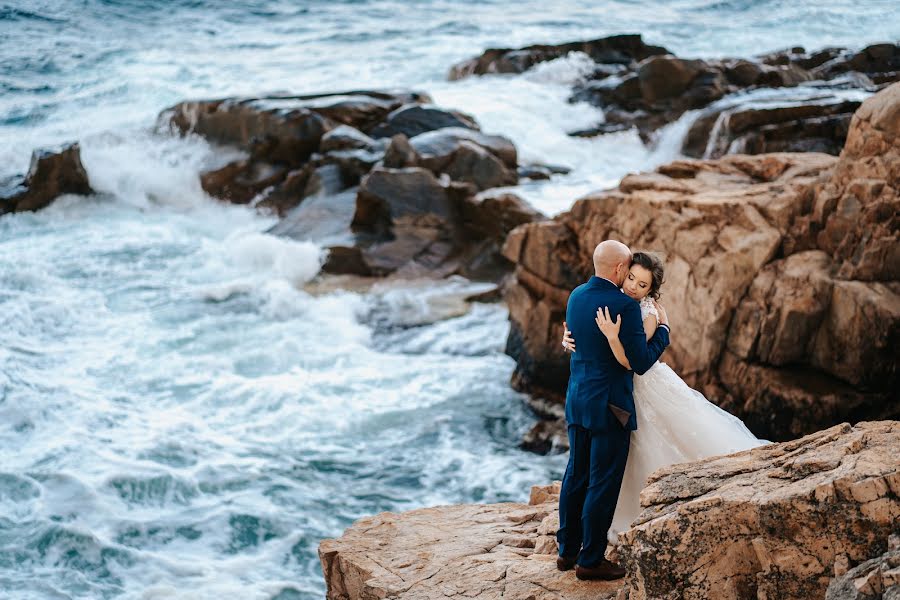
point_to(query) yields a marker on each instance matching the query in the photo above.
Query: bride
(674, 422)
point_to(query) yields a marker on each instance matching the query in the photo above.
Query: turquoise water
(182, 415)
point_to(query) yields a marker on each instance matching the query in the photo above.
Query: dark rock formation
(51, 174)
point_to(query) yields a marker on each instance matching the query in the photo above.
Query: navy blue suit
(600, 415)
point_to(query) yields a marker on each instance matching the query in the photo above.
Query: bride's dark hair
(654, 264)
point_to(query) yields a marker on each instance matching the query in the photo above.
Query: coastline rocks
(476, 551)
(773, 522)
(52, 173)
(646, 87)
(616, 49)
(811, 127)
(407, 218)
(785, 520)
(781, 270)
(874, 579)
(417, 170)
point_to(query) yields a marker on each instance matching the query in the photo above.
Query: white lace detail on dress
(647, 308)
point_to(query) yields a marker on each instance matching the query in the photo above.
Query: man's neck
(608, 279)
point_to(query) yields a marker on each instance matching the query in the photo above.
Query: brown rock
(859, 207)
(241, 181)
(768, 522)
(473, 551)
(775, 319)
(51, 174)
(808, 127)
(613, 49)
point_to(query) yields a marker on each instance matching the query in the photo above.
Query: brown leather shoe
(565, 563)
(605, 570)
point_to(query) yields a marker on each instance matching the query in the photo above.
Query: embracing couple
(621, 427)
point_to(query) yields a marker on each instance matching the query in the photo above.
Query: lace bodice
(647, 308)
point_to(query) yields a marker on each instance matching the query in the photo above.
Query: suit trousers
(590, 490)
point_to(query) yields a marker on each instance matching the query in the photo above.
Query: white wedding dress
(674, 424)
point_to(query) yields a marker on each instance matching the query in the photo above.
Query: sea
(186, 410)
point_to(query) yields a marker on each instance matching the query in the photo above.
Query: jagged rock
(781, 127)
(769, 522)
(858, 210)
(876, 579)
(413, 119)
(284, 128)
(52, 173)
(769, 323)
(616, 49)
(476, 551)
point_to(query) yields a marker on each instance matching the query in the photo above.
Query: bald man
(600, 412)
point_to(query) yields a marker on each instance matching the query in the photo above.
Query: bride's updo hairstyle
(654, 264)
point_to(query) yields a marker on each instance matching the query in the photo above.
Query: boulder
(52, 173)
(475, 551)
(437, 148)
(772, 522)
(413, 119)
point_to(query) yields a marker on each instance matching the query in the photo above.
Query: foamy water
(182, 413)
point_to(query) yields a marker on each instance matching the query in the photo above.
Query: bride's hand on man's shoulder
(568, 342)
(607, 325)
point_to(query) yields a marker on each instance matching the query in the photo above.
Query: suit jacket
(599, 395)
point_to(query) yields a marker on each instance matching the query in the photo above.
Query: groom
(600, 412)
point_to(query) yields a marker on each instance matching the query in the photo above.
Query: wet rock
(344, 137)
(437, 148)
(52, 173)
(400, 153)
(616, 49)
(769, 522)
(781, 127)
(241, 181)
(413, 119)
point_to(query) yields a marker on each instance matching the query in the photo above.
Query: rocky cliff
(777, 522)
(782, 278)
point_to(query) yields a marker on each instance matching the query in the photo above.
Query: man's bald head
(611, 260)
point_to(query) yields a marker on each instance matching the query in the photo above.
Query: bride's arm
(610, 329)
(650, 325)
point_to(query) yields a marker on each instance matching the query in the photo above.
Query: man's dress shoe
(604, 570)
(564, 563)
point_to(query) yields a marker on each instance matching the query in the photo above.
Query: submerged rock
(52, 173)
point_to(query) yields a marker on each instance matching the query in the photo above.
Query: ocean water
(184, 411)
